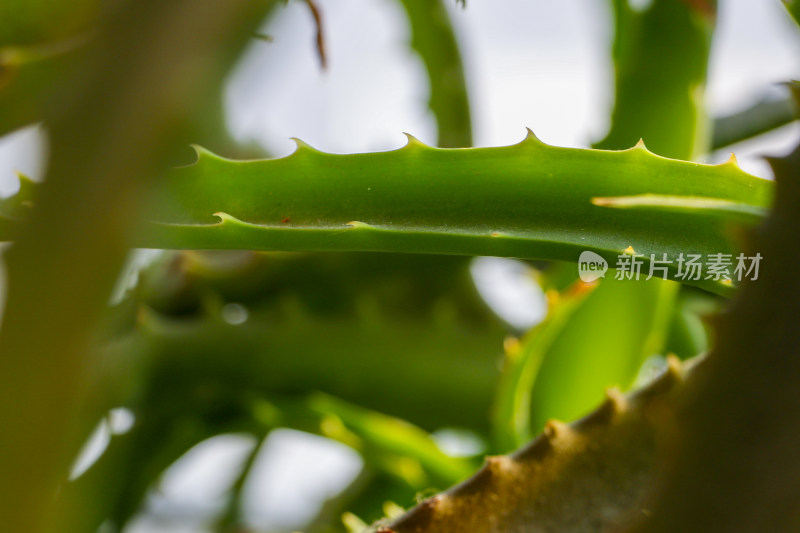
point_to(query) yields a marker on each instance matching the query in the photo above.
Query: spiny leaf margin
(528, 200)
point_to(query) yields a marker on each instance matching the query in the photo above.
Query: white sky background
(535, 64)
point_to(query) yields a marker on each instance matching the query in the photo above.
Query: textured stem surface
(589, 476)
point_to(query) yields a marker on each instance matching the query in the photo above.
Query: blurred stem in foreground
(114, 121)
(733, 463)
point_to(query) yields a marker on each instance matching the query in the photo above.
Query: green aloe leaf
(688, 334)
(529, 200)
(764, 115)
(392, 445)
(603, 344)
(391, 435)
(512, 410)
(658, 97)
(433, 38)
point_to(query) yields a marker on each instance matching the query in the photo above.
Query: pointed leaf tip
(203, 153)
(26, 184)
(640, 146)
(531, 138)
(413, 142)
(302, 146)
(731, 161)
(224, 217)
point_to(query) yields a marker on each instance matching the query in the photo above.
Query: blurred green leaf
(660, 55)
(392, 435)
(660, 61)
(350, 325)
(28, 75)
(511, 413)
(604, 343)
(433, 38)
(793, 6)
(687, 334)
(764, 115)
(33, 22)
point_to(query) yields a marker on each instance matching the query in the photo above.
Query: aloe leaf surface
(529, 200)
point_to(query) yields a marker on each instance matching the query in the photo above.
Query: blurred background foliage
(210, 365)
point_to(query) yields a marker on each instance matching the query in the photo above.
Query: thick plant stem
(588, 476)
(112, 123)
(735, 465)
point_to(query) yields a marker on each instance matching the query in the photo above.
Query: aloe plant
(529, 200)
(363, 325)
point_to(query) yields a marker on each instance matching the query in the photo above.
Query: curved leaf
(529, 200)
